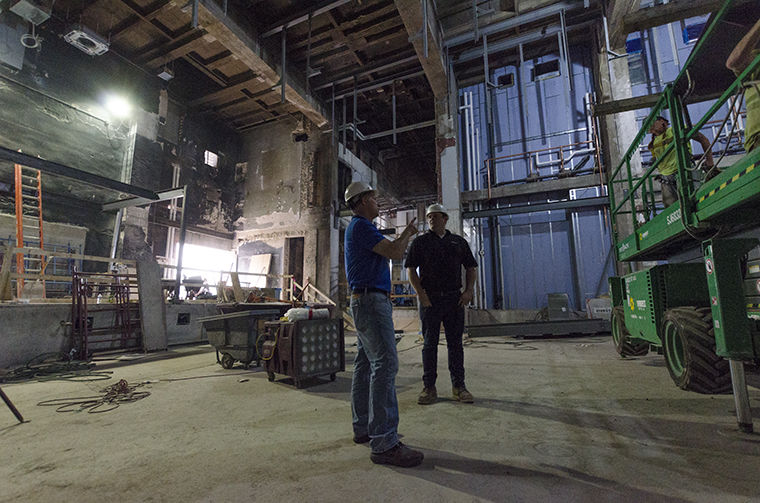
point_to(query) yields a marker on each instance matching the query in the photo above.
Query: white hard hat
(436, 208)
(356, 188)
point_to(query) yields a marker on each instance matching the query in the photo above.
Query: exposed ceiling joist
(139, 17)
(239, 43)
(426, 42)
(300, 17)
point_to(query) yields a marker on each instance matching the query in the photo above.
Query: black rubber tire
(624, 344)
(689, 347)
(227, 361)
(332, 377)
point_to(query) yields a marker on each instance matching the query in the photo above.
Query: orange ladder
(28, 222)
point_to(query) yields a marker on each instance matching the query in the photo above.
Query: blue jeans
(373, 389)
(444, 309)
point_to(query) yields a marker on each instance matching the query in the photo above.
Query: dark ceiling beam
(195, 60)
(370, 36)
(223, 93)
(430, 54)
(538, 35)
(54, 168)
(153, 11)
(384, 82)
(385, 64)
(240, 43)
(659, 15)
(172, 50)
(340, 37)
(511, 23)
(136, 10)
(302, 16)
(218, 60)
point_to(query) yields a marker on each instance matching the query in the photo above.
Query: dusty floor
(554, 420)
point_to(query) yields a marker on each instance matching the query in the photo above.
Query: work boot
(399, 455)
(461, 394)
(361, 439)
(427, 396)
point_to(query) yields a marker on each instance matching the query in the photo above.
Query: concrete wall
(29, 330)
(288, 194)
(192, 331)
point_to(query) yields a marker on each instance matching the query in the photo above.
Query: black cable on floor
(113, 396)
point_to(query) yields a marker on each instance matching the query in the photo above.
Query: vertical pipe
(344, 122)
(741, 398)
(655, 57)
(673, 46)
(182, 233)
(523, 105)
(115, 239)
(479, 183)
(308, 57)
(393, 105)
(283, 63)
(332, 114)
(425, 28)
(472, 142)
(573, 242)
(475, 34)
(356, 117)
(195, 14)
(566, 49)
(468, 136)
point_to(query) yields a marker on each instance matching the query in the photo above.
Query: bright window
(210, 158)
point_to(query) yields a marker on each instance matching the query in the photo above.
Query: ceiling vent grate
(86, 40)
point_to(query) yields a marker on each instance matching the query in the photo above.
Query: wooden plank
(626, 104)
(6, 293)
(239, 294)
(27, 250)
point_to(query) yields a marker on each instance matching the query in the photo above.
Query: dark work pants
(447, 310)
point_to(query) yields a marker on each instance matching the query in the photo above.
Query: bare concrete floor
(554, 420)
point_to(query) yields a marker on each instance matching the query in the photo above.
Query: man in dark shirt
(373, 389)
(440, 256)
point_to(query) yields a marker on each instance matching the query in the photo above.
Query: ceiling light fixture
(118, 107)
(86, 40)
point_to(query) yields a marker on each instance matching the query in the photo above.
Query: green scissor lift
(698, 314)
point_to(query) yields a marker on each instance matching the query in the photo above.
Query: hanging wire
(31, 40)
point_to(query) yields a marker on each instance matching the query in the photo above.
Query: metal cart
(234, 334)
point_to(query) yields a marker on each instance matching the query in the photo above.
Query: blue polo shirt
(365, 268)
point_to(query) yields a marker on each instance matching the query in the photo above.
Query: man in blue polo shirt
(373, 389)
(440, 257)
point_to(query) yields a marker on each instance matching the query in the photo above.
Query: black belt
(366, 289)
(448, 293)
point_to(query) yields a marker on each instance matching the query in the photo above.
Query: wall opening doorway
(294, 258)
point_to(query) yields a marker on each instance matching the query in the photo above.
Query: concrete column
(618, 130)
(447, 164)
(334, 226)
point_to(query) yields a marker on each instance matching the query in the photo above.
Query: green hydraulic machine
(701, 315)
